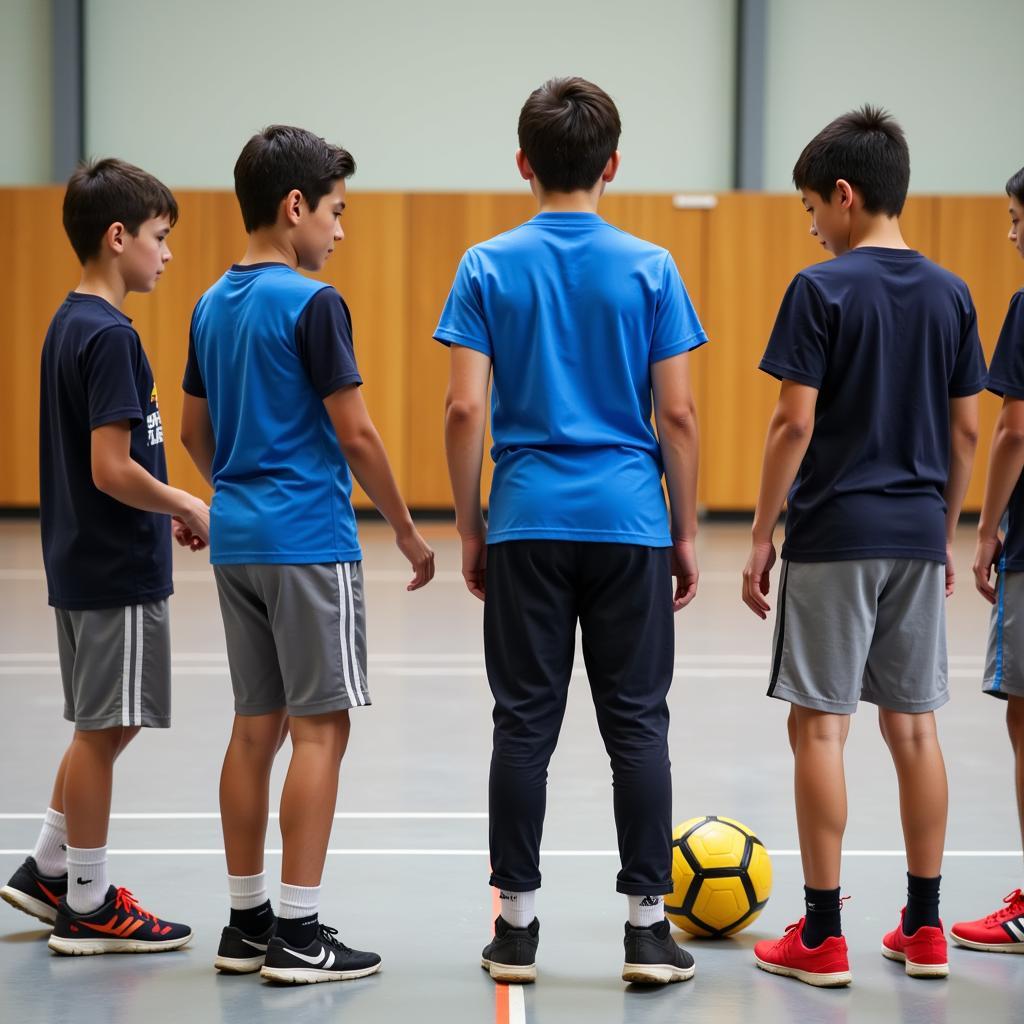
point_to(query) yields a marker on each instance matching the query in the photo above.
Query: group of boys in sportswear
(584, 333)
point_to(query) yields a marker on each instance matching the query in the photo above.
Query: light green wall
(425, 94)
(950, 71)
(25, 91)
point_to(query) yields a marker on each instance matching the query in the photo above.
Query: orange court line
(500, 989)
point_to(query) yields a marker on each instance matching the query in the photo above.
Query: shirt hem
(287, 558)
(690, 344)
(450, 338)
(133, 415)
(85, 604)
(1004, 389)
(592, 536)
(857, 554)
(780, 372)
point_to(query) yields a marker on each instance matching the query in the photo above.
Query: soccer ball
(722, 875)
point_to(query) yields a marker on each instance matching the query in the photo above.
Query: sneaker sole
(656, 974)
(312, 976)
(29, 905)
(522, 974)
(92, 947)
(238, 965)
(916, 970)
(835, 980)
(986, 947)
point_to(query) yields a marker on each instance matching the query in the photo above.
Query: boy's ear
(845, 193)
(612, 167)
(114, 237)
(292, 206)
(525, 170)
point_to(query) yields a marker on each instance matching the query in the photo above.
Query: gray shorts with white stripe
(296, 636)
(115, 664)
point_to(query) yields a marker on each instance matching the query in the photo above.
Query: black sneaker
(653, 957)
(239, 953)
(512, 954)
(34, 893)
(324, 959)
(119, 926)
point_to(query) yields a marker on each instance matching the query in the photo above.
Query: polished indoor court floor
(407, 875)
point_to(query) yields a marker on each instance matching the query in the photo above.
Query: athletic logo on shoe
(55, 900)
(256, 945)
(324, 959)
(1015, 929)
(83, 881)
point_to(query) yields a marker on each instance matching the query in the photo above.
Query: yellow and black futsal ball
(722, 875)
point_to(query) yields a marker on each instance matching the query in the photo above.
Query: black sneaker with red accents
(34, 893)
(119, 926)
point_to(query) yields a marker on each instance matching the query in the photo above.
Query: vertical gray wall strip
(751, 79)
(68, 91)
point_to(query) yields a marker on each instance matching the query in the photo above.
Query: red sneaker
(923, 954)
(1001, 932)
(826, 966)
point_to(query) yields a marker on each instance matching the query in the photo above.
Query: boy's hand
(185, 537)
(195, 517)
(684, 568)
(420, 556)
(986, 556)
(756, 578)
(474, 563)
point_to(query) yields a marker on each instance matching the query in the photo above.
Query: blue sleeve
(323, 338)
(109, 371)
(677, 328)
(192, 383)
(1006, 374)
(462, 320)
(798, 347)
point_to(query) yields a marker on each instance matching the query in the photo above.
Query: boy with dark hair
(274, 419)
(1003, 930)
(880, 363)
(105, 515)
(579, 323)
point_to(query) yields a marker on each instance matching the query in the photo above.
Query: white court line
(215, 815)
(516, 1005)
(437, 852)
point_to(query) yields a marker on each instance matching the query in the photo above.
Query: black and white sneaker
(653, 957)
(511, 956)
(33, 893)
(239, 953)
(324, 959)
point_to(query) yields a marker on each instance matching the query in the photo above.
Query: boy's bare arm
(197, 434)
(789, 434)
(116, 473)
(678, 435)
(364, 451)
(963, 440)
(465, 420)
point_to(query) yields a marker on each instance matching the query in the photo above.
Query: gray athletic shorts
(1004, 666)
(296, 636)
(872, 630)
(115, 664)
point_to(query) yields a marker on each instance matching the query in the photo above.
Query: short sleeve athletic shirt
(97, 552)
(888, 338)
(572, 313)
(267, 345)
(1006, 379)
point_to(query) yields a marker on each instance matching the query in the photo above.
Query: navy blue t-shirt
(888, 338)
(98, 553)
(1006, 379)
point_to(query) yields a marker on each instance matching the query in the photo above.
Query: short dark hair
(568, 128)
(103, 192)
(1015, 186)
(868, 149)
(281, 158)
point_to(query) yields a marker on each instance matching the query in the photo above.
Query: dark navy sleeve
(1006, 374)
(968, 377)
(193, 382)
(323, 338)
(798, 347)
(463, 321)
(109, 367)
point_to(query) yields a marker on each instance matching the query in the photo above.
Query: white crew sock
(87, 879)
(646, 910)
(247, 891)
(517, 907)
(51, 852)
(298, 901)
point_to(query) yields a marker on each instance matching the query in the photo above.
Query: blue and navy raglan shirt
(267, 345)
(572, 313)
(888, 338)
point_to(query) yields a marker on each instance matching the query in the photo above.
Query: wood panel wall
(395, 268)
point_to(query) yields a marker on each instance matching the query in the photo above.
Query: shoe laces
(1014, 908)
(329, 935)
(125, 901)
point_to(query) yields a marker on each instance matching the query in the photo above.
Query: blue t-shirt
(888, 338)
(267, 345)
(1006, 379)
(98, 552)
(572, 312)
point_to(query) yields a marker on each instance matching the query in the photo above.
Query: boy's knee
(900, 727)
(807, 724)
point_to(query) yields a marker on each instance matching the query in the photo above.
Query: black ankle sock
(298, 932)
(254, 921)
(822, 918)
(922, 903)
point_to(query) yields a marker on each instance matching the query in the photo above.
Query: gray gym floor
(407, 875)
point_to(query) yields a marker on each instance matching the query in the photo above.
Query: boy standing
(579, 322)
(273, 417)
(880, 363)
(1003, 930)
(105, 510)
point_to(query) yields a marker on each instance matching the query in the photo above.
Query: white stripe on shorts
(342, 614)
(352, 634)
(138, 664)
(126, 669)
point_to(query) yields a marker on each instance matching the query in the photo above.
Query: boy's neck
(266, 245)
(102, 280)
(581, 201)
(877, 230)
